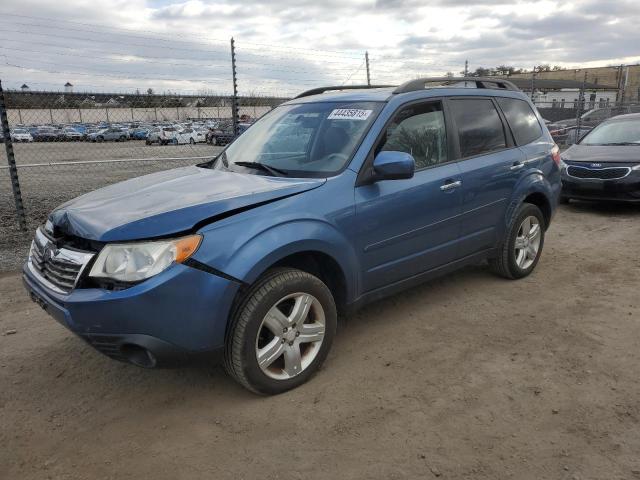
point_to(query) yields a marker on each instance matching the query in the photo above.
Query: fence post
(234, 102)
(580, 107)
(11, 160)
(533, 84)
(366, 59)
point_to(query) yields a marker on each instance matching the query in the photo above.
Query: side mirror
(393, 166)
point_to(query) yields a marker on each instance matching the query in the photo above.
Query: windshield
(625, 132)
(304, 140)
(19, 131)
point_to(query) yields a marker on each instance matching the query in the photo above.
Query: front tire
(281, 331)
(521, 249)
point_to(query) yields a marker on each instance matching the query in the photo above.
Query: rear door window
(522, 120)
(480, 129)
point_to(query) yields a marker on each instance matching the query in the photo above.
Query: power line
(128, 77)
(144, 59)
(316, 51)
(356, 71)
(217, 53)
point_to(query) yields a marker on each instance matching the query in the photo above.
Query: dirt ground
(470, 376)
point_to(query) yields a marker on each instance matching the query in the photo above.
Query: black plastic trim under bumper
(131, 348)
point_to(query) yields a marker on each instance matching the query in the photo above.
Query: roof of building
(552, 84)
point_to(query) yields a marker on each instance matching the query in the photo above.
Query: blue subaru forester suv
(336, 198)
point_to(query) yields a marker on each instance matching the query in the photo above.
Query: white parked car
(162, 135)
(21, 135)
(189, 135)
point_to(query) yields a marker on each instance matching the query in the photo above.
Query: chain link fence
(66, 144)
(568, 122)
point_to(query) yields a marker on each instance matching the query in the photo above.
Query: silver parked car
(108, 134)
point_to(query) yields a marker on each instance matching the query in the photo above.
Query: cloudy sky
(285, 46)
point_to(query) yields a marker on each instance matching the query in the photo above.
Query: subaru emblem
(50, 250)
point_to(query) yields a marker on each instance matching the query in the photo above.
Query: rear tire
(520, 251)
(280, 332)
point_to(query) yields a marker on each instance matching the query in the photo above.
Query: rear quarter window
(522, 120)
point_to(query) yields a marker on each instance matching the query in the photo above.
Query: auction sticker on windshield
(349, 114)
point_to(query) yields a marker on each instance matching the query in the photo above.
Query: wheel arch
(541, 201)
(534, 189)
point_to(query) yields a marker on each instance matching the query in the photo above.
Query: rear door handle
(449, 185)
(516, 166)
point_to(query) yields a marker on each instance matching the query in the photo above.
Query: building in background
(68, 88)
(566, 93)
(624, 78)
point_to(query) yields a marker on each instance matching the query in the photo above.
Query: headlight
(132, 262)
(637, 167)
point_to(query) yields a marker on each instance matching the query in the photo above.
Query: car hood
(603, 154)
(570, 122)
(169, 202)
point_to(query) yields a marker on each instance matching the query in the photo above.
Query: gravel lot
(470, 376)
(46, 186)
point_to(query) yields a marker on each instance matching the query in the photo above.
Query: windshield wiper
(276, 172)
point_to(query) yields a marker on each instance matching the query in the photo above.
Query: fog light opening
(139, 356)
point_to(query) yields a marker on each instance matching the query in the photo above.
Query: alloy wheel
(527, 242)
(290, 336)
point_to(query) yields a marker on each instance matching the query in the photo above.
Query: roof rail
(316, 91)
(454, 82)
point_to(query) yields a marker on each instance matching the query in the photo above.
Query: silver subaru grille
(57, 268)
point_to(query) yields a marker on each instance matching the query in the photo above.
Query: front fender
(248, 254)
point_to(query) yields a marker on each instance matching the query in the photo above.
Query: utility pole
(625, 82)
(234, 101)
(366, 59)
(620, 83)
(466, 68)
(11, 160)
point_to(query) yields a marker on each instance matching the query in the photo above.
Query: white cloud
(286, 46)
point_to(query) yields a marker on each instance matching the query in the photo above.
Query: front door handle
(450, 185)
(516, 166)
